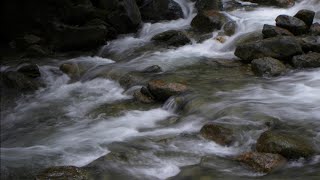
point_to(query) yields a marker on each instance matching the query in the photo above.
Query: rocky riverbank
(160, 89)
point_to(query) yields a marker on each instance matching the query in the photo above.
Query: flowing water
(79, 122)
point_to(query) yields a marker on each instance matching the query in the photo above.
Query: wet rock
(172, 38)
(19, 81)
(315, 29)
(310, 60)
(230, 28)
(269, 31)
(279, 3)
(162, 90)
(62, 172)
(126, 18)
(267, 67)
(36, 51)
(143, 95)
(306, 16)
(30, 70)
(71, 69)
(208, 21)
(152, 69)
(203, 5)
(310, 43)
(75, 38)
(293, 24)
(27, 40)
(219, 134)
(157, 10)
(249, 37)
(283, 48)
(262, 162)
(291, 146)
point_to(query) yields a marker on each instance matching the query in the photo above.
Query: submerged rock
(208, 21)
(230, 28)
(62, 172)
(152, 69)
(217, 133)
(293, 24)
(310, 60)
(267, 66)
(262, 162)
(71, 69)
(283, 48)
(172, 38)
(143, 95)
(162, 90)
(269, 31)
(19, 81)
(306, 16)
(291, 146)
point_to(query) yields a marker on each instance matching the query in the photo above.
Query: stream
(80, 122)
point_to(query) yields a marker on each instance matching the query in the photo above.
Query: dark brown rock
(30, 70)
(262, 162)
(315, 29)
(208, 21)
(310, 60)
(172, 38)
(306, 16)
(162, 90)
(217, 133)
(267, 66)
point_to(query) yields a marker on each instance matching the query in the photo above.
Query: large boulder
(269, 31)
(67, 38)
(219, 134)
(152, 69)
(306, 16)
(162, 90)
(310, 60)
(293, 24)
(279, 3)
(208, 21)
(267, 66)
(262, 162)
(203, 5)
(157, 10)
(62, 172)
(291, 146)
(172, 38)
(315, 29)
(126, 18)
(283, 48)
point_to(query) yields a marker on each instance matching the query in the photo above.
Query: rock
(106, 4)
(30, 70)
(217, 133)
(310, 43)
(172, 38)
(283, 48)
(269, 31)
(249, 37)
(36, 51)
(157, 10)
(127, 18)
(315, 29)
(293, 24)
(208, 21)
(27, 40)
(267, 67)
(306, 16)
(310, 60)
(71, 69)
(279, 3)
(19, 81)
(152, 69)
(62, 172)
(67, 38)
(291, 146)
(143, 95)
(262, 162)
(162, 90)
(203, 5)
(230, 28)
